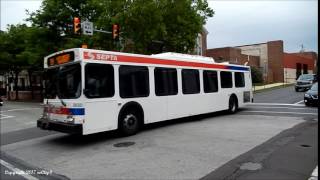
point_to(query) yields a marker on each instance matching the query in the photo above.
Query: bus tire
(233, 104)
(129, 122)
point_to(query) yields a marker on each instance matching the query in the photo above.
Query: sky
(248, 22)
(235, 23)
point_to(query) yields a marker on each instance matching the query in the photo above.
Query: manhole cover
(250, 166)
(124, 144)
(305, 145)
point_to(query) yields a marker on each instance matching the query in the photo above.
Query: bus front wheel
(129, 122)
(233, 104)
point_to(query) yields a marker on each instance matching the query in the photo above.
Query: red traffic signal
(76, 25)
(115, 31)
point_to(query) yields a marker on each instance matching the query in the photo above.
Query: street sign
(87, 28)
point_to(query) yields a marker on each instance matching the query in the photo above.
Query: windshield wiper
(62, 102)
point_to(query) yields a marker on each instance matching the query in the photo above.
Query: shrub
(256, 75)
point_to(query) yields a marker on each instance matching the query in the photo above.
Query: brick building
(233, 55)
(274, 63)
(296, 64)
(310, 55)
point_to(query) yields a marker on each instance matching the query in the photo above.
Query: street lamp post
(265, 73)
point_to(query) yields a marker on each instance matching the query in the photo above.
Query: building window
(298, 68)
(226, 79)
(305, 68)
(134, 81)
(22, 84)
(166, 82)
(190, 81)
(210, 81)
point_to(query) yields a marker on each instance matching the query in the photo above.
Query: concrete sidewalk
(268, 86)
(292, 154)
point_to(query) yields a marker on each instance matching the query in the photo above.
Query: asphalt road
(269, 132)
(286, 95)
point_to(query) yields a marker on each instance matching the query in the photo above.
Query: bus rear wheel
(233, 104)
(129, 122)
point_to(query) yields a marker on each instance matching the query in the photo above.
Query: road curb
(25, 167)
(263, 162)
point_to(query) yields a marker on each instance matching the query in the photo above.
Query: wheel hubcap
(130, 121)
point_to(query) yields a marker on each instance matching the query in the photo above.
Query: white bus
(89, 91)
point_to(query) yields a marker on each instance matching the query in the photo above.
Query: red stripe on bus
(145, 60)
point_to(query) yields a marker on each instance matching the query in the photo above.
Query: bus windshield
(63, 81)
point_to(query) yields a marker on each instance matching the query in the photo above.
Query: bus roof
(168, 58)
(184, 57)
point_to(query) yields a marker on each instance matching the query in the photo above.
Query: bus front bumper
(59, 126)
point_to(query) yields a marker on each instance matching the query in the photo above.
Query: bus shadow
(103, 137)
(72, 140)
(183, 120)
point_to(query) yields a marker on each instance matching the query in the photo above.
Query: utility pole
(302, 48)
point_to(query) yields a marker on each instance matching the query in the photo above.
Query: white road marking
(2, 116)
(314, 175)
(272, 107)
(275, 112)
(10, 110)
(17, 171)
(315, 172)
(299, 102)
(276, 104)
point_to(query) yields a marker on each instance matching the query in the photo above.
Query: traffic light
(115, 31)
(84, 46)
(76, 25)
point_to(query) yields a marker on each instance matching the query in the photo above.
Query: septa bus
(89, 91)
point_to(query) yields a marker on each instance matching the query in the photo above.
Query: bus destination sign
(61, 58)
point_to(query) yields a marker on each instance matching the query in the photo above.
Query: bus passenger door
(100, 116)
(100, 102)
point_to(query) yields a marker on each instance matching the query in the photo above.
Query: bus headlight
(70, 119)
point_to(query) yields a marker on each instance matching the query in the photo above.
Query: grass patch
(259, 84)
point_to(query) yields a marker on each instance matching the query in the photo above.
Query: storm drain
(305, 145)
(250, 166)
(124, 144)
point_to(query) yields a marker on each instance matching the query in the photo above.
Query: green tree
(13, 45)
(173, 23)
(22, 48)
(256, 75)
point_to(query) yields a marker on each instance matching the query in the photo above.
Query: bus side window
(226, 79)
(166, 82)
(99, 80)
(239, 79)
(210, 81)
(133, 81)
(190, 81)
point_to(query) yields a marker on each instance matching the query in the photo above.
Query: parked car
(305, 81)
(311, 96)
